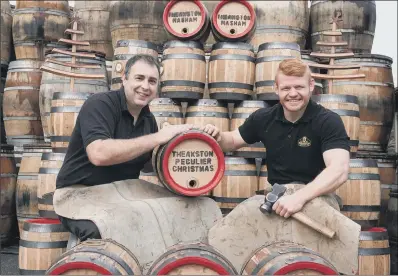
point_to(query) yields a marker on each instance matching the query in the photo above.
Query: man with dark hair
(114, 136)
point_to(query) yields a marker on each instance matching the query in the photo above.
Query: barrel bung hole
(192, 183)
(184, 30)
(232, 31)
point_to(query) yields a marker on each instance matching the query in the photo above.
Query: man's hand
(213, 131)
(167, 132)
(288, 205)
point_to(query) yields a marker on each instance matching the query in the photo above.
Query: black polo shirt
(294, 150)
(104, 116)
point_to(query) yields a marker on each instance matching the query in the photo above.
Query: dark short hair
(141, 57)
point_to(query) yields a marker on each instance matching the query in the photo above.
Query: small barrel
(190, 164)
(8, 179)
(282, 258)
(240, 181)
(387, 170)
(347, 107)
(166, 110)
(124, 50)
(96, 257)
(27, 183)
(361, 193)
(150, 177)
(233, 21)
(186, 20)
(231, 71)
(192, 259)
(206, 111)
(240, 113)
(36, 49)
(306, 58)
(6, 27)
(50, 165)
(268, 58)
(65, 108)
(392, 215)
(184, 75)
(374, 252)
(42, 242)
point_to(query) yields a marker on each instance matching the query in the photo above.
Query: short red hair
(293, 67)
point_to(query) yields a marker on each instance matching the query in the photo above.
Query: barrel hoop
(21, 119)
(164, 101)
(209, 103)
(49, 171)
(230, 85)
(313, 3)
(138, 43)
(31, 244)
(373, 251)
(279, 45)
(263, 174)
(353, 143)
(363, 176)
(229, 199)
(122, 57)
(240, 173)
(12, 88)
(341, 83)
(388, 186)
(183, 83)
(344, 112)
(207, 114)
(53, 156)
(240, 115)
(77, 81)
(46, 200)
(372, 123)
(253, 104)
(48, 214)
(27, 177)
(232, 57)
(239, 161)
(235, 45)
(71, 96)
(83, 263)
(265, 83)
(40, 10)
(60, 138)
(230, 96)
(182, 94)
(167, 114)
(8, 175)
(373, 236)
(273, 58)
(280, 29)
(301, 262)
(44, 228)
(386, 65)
(346, 31)
(184, 56)
(359, 163)
(12, 69)
(32, 272)
(386, 164)
(360, 208)
(64, 109)
(183, 44)
(333, 98)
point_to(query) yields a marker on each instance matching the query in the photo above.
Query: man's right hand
(167, 132)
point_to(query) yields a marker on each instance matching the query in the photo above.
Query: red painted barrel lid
(184, 19)
(323, 269)
(219, 269)
(65, 267)
(233, 19)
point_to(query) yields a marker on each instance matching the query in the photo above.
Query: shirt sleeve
(333, 134)
(249, 129)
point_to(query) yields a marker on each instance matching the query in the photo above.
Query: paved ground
(9, 260)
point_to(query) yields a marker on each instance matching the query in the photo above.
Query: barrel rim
(356, 163)
(178, 43)
(253, 103)
(340, 98)
(279, 45)
(235, 45)
(233, 160)
(6, 147)
(71, 95)
(137, 43)
(193, 260)
(44, 221)
(371, 56)
(168, 101)
(207, 102)
(41, 10)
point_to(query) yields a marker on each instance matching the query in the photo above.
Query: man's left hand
(288, 205)
(212, 130)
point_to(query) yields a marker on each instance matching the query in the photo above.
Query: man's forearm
(227, 142)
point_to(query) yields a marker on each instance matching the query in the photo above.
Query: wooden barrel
(233, 21)
(240, 113)
(184, 66)
(240, 181)
(150, 177)
(96, 257)
(387, 170)
(6, 25)
(8, 179)
(306, 58)
(50, 165)
(358, 25)
(36, 49)
(21, 102)
(3, 137)
(206, 111)
(42, 242)
(51, 83)
(361, 194)
(225, 84)
(210, 6)
(187, 20)
(65, 108)
(192, 259)
(374, 252)
(27, 183)
(166, 110)
(392, 212)
(281, 21)
(124, 50)
(376, 98)
(346, 106)
(140, 20)
(267, 63)
(285, 257)
(190, 164)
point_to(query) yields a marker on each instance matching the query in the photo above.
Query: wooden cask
(192, 259)
(374, 252)
(184, 70)
(361, 193)
(6, 36)
(233, 21)
(347, 107)
(392, 218)
(166, 110)
(27, 183)
(140, 20)
(231, 71)
(3, 137)
(240, 181)
(124, 50)
(306, 58)
(358, 24)
(285, 257)
(206, 111)
(281, 21)
(96, 257)
(36, 49)
(42, 242)
(267, 63)
(241, 112)
(387, 169)
(190, 164)
(186, 20)
(8, 179)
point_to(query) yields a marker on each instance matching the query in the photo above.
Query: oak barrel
(267, 63)
(374, 252)
(190, 164)
(124, 50)
(392, 212)
(6, 36)
(307, 59)
(184, 74)
(241, 112)
(42, 242)
(387, 169)
(192, 259)
(96, 257)
(284, 257)
(166, 110)
(36, 49)
(231, 71)
(240, 181)
(207, 111)
(8, 179)
(233, 21)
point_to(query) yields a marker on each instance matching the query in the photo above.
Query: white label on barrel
(184, 17)
(193, 164)
(233, 18)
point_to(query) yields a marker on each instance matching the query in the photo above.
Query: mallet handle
(314, 224)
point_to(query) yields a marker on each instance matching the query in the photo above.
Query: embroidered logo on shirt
(304, 142)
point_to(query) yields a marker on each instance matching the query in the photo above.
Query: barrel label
(184, 12)
(233, 20)
(193, 161)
